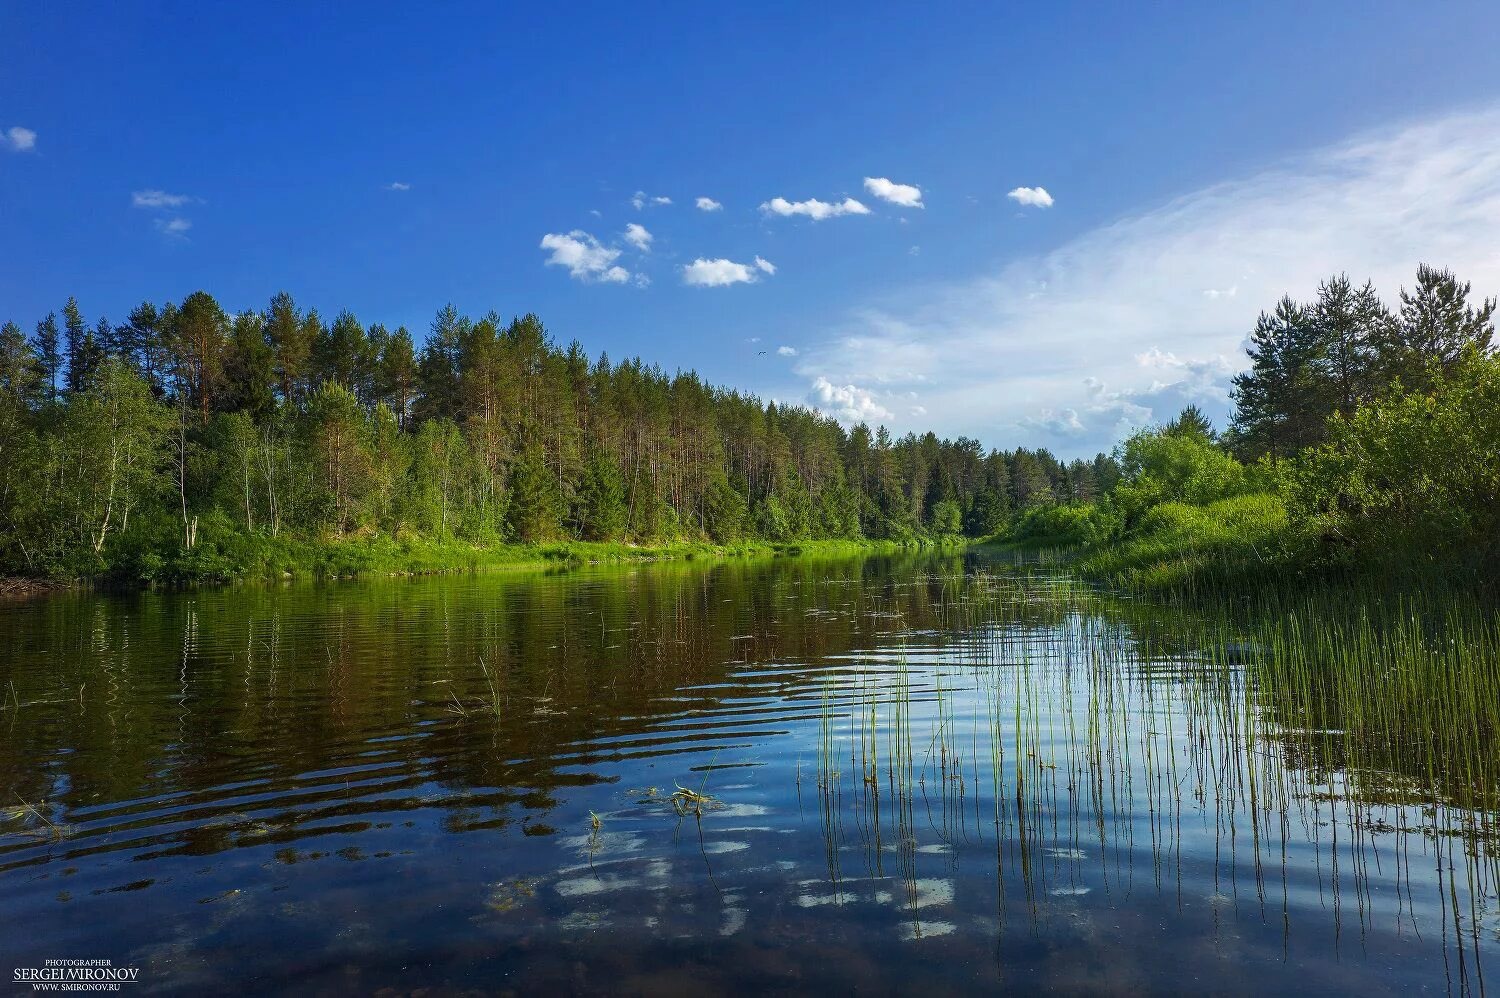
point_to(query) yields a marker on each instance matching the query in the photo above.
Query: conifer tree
(1434, 325)
(48, 349)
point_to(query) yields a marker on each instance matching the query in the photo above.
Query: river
(925, 772)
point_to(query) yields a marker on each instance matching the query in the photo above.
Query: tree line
(1344, 350)
(144, 446)
(1363, 437)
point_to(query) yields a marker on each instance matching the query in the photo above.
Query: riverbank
(288, 558)
(1232, 549)
(19, 589)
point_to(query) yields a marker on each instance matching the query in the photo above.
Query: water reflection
(884, 773)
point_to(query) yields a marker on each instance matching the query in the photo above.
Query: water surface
(922, 773)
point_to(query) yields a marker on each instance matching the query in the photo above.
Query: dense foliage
(1361, 439)
(188, 443)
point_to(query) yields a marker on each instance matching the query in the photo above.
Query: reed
(1359, 723)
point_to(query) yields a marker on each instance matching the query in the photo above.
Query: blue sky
(1199, 160)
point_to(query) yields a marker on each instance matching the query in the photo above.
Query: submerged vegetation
(1363, 443)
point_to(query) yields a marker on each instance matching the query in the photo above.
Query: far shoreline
(352, 560)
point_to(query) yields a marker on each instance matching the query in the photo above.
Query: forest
(187, 443)
(1363, 439)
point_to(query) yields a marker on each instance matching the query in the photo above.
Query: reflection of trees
(309, 707)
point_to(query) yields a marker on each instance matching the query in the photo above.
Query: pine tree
(1191, 422)
(1029, 480)
(396, 383)
(75, 334)
(1434, 324)
(288, 337)
(726, 513)
(249, 369)
(140, 342)
(341, 354)
(1350, 323)
(438, 371)
(20, 374)
(535, 508)
(987, 513)
(86, 358)
(48, 349)
(198, 336)
(601, 501)
(1272, 411)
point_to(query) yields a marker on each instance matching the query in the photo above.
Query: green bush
(1163, 465)
(1413, 474)
(1075, 523)
(1177, 542)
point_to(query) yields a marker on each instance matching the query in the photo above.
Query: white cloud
(396, 185)
(169, 224)
(708, 204)
(904, 195)
(813, 208)
(1032, 197)
(160, 199)
(1112, 329)
(641, 200)
(849, 403)
(174, 228)
(786, 351)
(18, 139)
(1060, 423)
(586, 258)
(637, 236)
(720, 273)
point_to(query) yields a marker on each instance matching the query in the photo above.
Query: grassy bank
(1239, 542)
(264, 559)
(1404, 493)
(1239, 550)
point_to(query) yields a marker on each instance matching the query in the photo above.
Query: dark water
(926, 774)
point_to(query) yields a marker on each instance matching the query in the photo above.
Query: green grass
(235, 557)
(1239, 540)
(1242, 540)
(1232, 550)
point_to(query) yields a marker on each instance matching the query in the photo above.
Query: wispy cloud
(719, 273)
(169, 223)
(813, 208)
(708, 204)
(637, 236)
(396, 185)
(786, 351)
(173, 228)
(1032, 197)
(18, 139)
(640, 199)
(160, 199)
(904, 195)
(586, 258)
(1113, 329)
